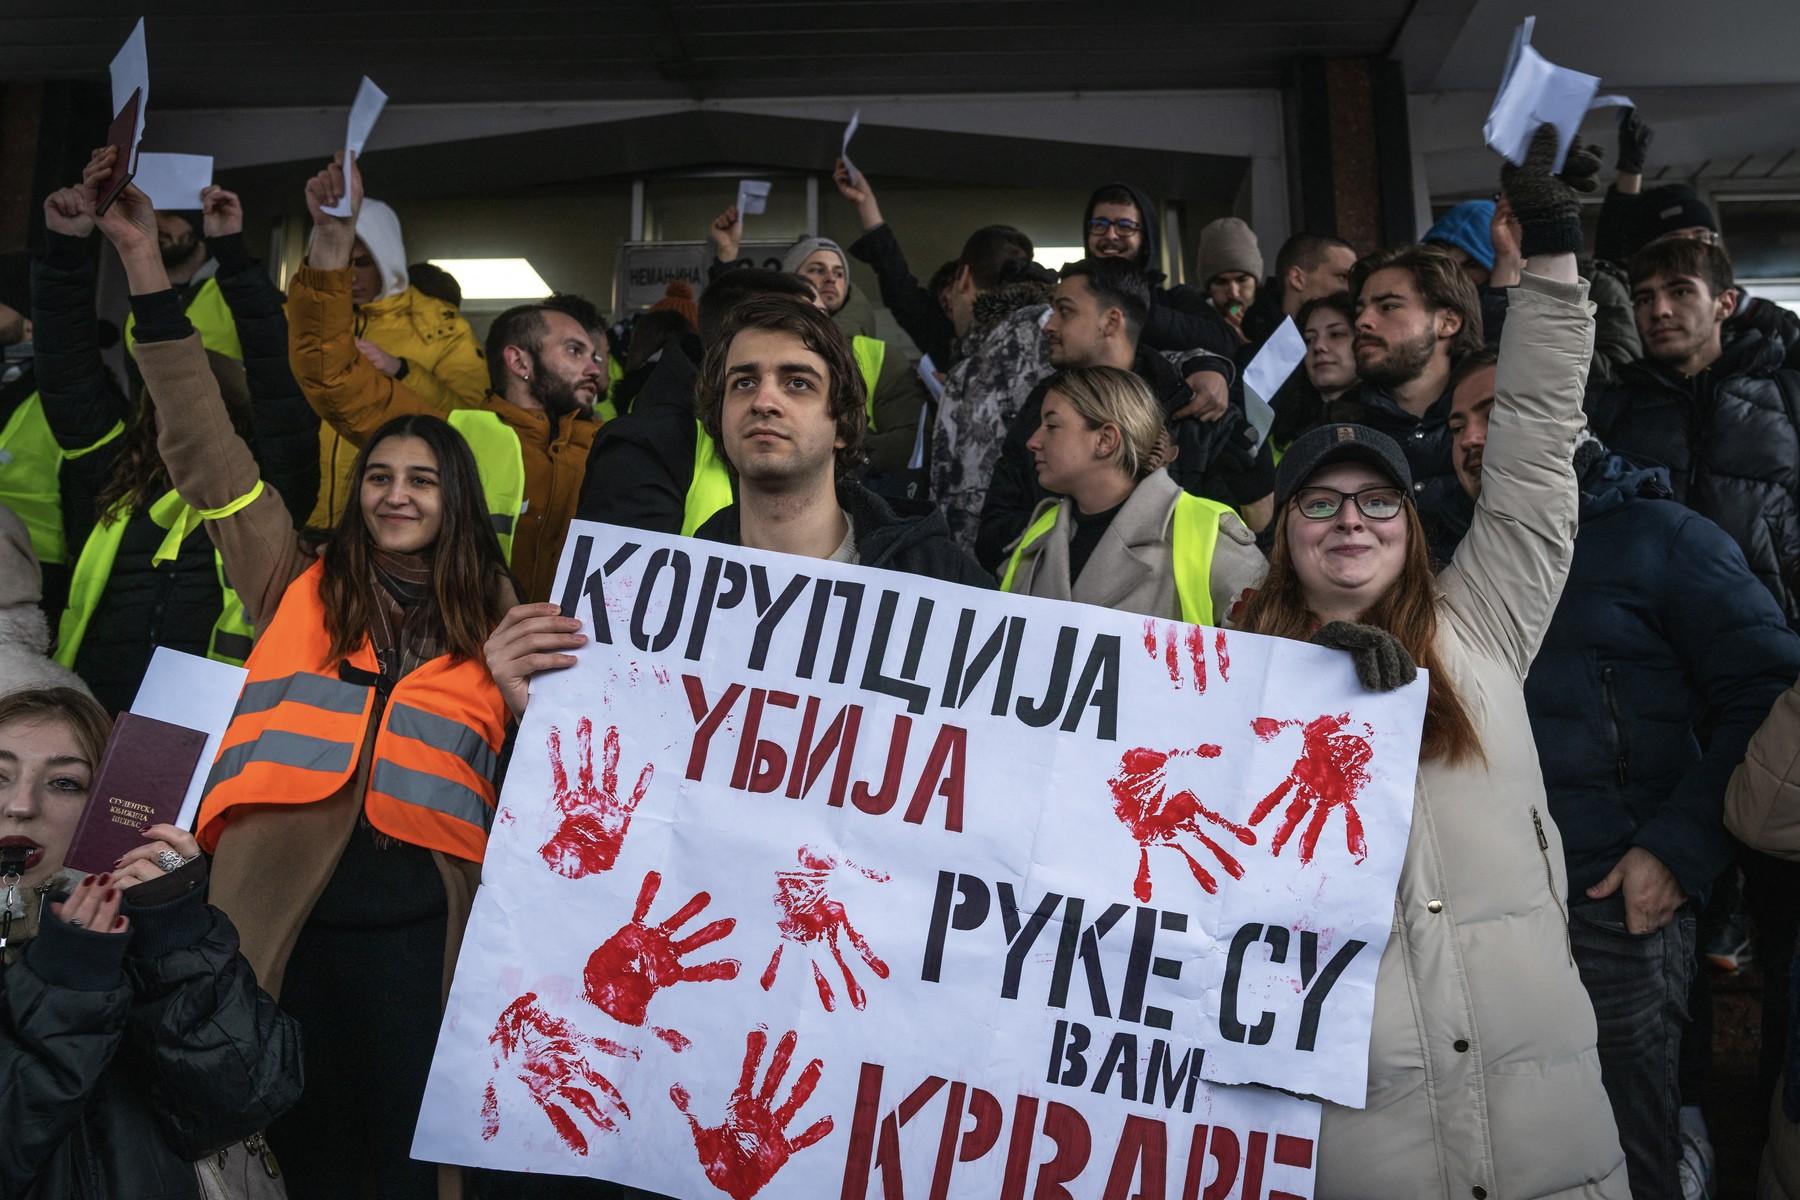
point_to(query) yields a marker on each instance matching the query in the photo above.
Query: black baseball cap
(1339, 443)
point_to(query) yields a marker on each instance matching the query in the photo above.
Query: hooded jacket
(1661, 633)
(124, 1057)
(442, 360)
(1004, 357)
(1484, 1077)
(1730, 437)
(1180, 318)
(916, 542)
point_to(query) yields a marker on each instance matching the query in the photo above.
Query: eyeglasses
(1124, 225)
(1375, 504)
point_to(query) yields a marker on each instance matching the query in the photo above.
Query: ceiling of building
(473, 51)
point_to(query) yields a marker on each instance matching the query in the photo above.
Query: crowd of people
(343, 491)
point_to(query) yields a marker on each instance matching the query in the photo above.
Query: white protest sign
(364, 111)
(130, 72)
(752, 197)
(1284, 351)
(803, 868)
(194, 692)
(173, 181)
(1534, 91)
(844, 150)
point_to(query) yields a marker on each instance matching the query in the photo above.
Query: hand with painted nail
(595, 818)
(94, 904)
(169, 848)
(745, 1151)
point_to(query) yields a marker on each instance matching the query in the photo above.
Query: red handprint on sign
(548, 1055)
(1155, 818)
(594, 819)
(641, 959)
(741, 1155)
(1331, 771)
(809, 916)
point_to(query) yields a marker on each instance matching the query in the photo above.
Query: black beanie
(1665, 209)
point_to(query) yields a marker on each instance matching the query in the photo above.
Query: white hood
(379, 228)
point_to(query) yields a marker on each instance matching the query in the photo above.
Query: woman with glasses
(1484, 1079)
(1123, 534)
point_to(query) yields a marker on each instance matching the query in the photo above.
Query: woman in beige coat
(1123, 535)
(1762, 809)
(1484, 1080)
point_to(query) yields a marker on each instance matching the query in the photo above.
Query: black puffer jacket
(1660, 634)
(124, 1058)
(917, 542)
(1731, 441)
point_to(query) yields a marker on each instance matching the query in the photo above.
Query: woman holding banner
(133, 1037)
(1484, 1079)
(349, 806)
(1124, 535)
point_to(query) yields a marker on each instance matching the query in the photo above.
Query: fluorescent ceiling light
(1055, 257)
(495, 278)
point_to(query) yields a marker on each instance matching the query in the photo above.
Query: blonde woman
(1123, 534)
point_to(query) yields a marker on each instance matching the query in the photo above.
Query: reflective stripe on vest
(1193, 538)
(870, 354)
(232, 633)
(710, 488)
(210, 317)
(500, 459)
(298, 731)
(608, 409)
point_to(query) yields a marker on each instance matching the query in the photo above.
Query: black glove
(1382, 663)
(1634, 142)
(1545, 204)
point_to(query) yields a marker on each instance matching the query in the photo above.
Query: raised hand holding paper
(844, 150)
(173, 181)
(1284, 351)
(364, 111)
(752, 197)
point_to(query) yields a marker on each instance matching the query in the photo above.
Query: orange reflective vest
(299, 729)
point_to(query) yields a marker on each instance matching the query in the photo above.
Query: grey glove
(1382, 663)
(1549, 213)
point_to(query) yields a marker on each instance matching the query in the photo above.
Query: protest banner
(810, 880)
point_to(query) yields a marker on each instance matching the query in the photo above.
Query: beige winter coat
(1484, 1080)
(1131, 568)
(1762, 808)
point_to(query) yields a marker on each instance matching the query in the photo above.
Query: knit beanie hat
(805, 248)
(1228, 244)
(1470, 228)
(678, 297)
(1664, 209)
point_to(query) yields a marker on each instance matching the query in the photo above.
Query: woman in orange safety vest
(348, 808)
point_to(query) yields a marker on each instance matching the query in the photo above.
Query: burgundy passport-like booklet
(142, 780)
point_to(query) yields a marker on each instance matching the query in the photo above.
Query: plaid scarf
(404, 624)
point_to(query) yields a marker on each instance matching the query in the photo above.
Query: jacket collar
(1126, 554)
(994, 309)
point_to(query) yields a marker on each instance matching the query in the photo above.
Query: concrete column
(1354, 155)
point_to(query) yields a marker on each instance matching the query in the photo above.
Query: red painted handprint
(809, 916)
(641, 959)
(1331, 771)
(1182, 649)
(1155, 818)
(594, 819)
(548, 1055)
(741, 1155)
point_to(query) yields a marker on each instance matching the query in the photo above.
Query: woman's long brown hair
(1408, 610)
(466, 563)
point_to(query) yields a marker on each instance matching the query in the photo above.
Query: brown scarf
(404, 628)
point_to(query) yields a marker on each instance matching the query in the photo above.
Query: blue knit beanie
(1468, 227)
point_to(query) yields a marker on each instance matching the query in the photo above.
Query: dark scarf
(404, 621)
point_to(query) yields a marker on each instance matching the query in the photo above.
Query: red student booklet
(120, 137)
(142, 780)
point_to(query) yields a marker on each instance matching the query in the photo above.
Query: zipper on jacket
(1543, 841)
(1621, 757)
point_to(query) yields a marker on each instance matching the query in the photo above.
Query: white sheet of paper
(185, 689)
(753, 197)
(1534, 91)
(1284, 351)
(934, 385)
(173, 181)
(131, 71)
(850, 132)
(364, 110)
